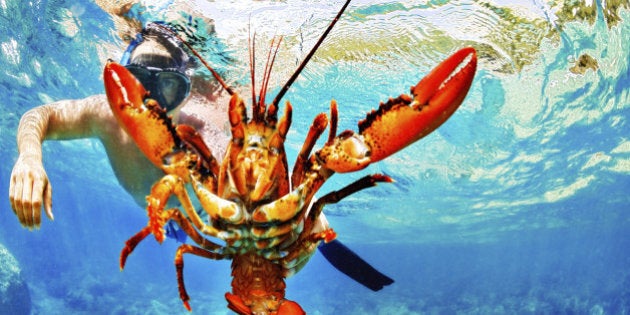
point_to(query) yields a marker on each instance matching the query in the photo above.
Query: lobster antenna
(308, 57)
(252, 65)
(203, 61)
(267, 76)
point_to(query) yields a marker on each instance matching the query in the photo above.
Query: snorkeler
(158, 61)
(160, 64)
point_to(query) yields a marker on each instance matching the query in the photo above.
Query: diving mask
(168, 87)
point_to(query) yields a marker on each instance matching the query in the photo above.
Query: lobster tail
(258, 287)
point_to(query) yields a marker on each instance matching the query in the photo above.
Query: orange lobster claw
(436, 97)
(287, 307)
(290, 308)
(236, 304)
(405, 119)
(142, 118)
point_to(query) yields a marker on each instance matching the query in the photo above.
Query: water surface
(518, 204)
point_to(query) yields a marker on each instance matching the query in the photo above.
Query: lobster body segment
(257, 165)
(252, 212)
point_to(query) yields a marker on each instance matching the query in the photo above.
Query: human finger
(36, 201)
(27, 212)
(48, 202)
(19, 179)
(17, 199)
(12, 193)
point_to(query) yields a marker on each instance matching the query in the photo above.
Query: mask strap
(127, 54)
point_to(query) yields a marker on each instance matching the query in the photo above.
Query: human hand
(29, 188)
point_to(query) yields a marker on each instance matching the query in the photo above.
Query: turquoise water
(518, 204)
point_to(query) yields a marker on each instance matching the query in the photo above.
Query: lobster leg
(281, 210)
(306, 244)
(405, 119)
(176, 216)
(131, 244)
(157, 219)
(317, 128)
(194, 235)
(160, 193)
(179, 266)
(287, 207)
(335, 196)
(194, 140)
(216, 207)
(302, 250)
(169, 185)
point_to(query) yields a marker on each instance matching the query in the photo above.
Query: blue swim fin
(348, 262)
(175, 232)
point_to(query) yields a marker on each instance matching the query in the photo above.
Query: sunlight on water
(518, 204)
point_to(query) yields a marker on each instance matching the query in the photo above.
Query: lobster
(261, 217)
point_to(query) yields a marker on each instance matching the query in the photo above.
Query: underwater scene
(518, 204)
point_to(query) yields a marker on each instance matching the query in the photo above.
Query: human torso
(134, 171)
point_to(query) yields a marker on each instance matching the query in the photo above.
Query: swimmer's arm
(68, 119)
(29, 188)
